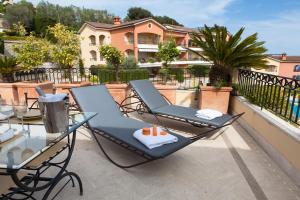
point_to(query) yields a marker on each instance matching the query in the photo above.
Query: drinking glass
(20, 109)
(6, 110)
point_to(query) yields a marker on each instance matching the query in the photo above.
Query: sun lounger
(111, 123)
(154, 103)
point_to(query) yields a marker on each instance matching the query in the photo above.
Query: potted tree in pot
(227, 52)
(167, 52)
(7, 67)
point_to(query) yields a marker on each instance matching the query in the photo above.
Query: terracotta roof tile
(179, 28)
(288, 58)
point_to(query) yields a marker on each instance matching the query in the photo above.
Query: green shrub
(13, 37)
(151, 60)
(7, 64)
(199, 70)
(94, 79)
(133, 74)
(130, 63)
(1, 46)
(178, 73)
(105, 75)
(81, 67)
(10, 33)
(168, 73)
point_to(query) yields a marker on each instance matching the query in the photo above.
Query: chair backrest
(97, 99)
(148, 93)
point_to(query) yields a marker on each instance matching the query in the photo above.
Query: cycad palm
(228, 51)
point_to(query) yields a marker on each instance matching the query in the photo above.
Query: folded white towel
(52, 97)
(8, 134)
(208, 114)
(151, 141)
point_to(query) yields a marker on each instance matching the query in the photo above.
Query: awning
(181, 48)
(148, 50)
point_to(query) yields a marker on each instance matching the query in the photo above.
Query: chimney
(283, 56)
(117, 20)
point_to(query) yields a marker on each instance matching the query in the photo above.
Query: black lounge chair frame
(141, 108)
(147, 158)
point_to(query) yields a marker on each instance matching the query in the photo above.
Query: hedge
(108, 75)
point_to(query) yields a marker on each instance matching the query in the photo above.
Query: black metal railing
(280, 95)
(182, 78)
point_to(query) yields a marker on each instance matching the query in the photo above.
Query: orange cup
(154, 130)
(163, 133)
(146, 131)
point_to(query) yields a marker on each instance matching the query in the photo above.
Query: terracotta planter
(213, 98)
(168, 91)
(118, 91)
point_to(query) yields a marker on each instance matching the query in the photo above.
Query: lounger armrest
(229, 122)
(233, 119)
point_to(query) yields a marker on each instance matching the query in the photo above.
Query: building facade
(139, 38)
(283, 65)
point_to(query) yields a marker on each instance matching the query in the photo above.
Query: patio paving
(228, 166)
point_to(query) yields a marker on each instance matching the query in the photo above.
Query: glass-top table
(17, 152)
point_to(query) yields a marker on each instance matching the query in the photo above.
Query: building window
(129, 37)
(92, 40)
(149, 25)
(271, 68)
(101, 39)
(297, 77)
(101, 58)
(297, 68)
(93, 56)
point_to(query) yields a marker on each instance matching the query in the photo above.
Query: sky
(277, 22)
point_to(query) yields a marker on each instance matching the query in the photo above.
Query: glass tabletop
(23, 148)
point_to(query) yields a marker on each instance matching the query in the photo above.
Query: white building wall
(86, 47)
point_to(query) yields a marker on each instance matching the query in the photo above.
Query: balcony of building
(256, 158)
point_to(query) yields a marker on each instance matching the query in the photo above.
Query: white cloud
(281, 34)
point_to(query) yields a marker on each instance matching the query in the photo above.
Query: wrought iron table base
(34, 182)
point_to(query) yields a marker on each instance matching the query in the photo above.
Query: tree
(228, 52)
(167, 52)
(48, 14)
(113, 57)
(22, 12)
(32, 52)
(135, 13)
(167, 20)
(65, 50)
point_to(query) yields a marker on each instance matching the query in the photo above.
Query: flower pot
(218, 99)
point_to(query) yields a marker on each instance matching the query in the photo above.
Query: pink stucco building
(139, 38)
(283, 65)
(288, 66)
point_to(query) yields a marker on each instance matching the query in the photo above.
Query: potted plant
(227, 52)
(7, 67)
(113, 57)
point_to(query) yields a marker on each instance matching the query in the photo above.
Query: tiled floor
(229, 166)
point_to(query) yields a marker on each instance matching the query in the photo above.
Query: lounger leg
(115, 163)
